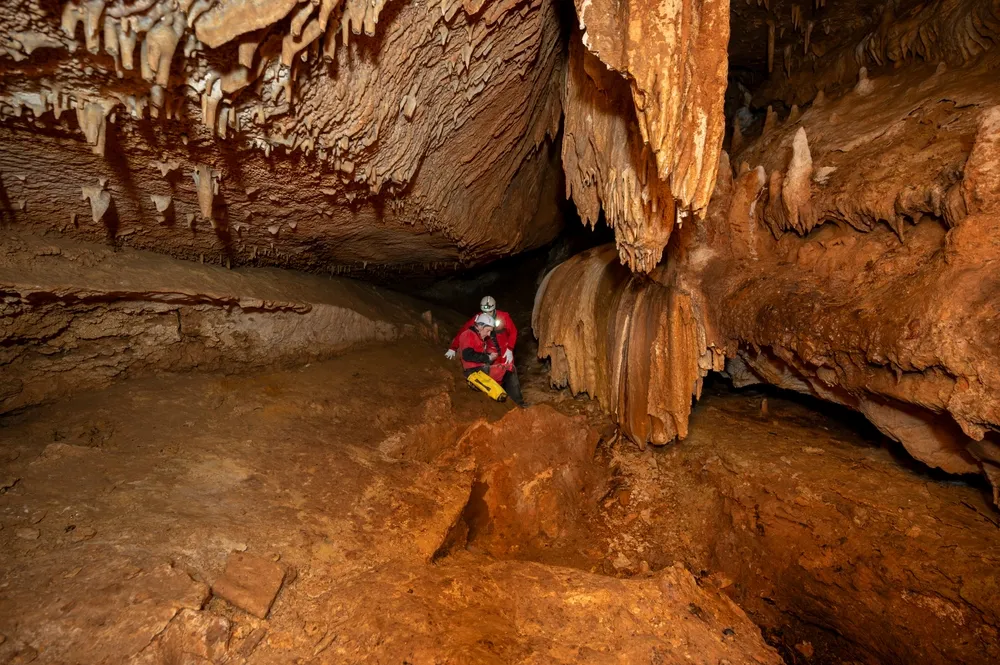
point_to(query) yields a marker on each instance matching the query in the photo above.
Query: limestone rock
(122, 314)
(250, 583)
(645, 89)
(196, 636)
(246, 90)
(874, 288)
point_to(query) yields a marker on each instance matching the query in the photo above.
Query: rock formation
(322, 135)
(644, 123)
(843, 257)
(846, 257)
(78, 317)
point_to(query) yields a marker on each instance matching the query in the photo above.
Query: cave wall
(79, 316)
(846, 252)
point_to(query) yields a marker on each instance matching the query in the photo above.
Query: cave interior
(751, 248)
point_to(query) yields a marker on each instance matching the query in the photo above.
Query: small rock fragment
(250, 583)
(805, 648)
(82, 533)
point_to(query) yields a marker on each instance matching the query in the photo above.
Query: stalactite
(770, 46)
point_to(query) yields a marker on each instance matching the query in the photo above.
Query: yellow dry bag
(482, 381)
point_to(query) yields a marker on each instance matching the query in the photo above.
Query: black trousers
(512, 385)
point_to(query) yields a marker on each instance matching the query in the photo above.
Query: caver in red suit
(476, 345)
(506, 332)
(474, 352)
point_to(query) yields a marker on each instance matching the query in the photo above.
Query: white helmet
(485, 320)
(488, 304)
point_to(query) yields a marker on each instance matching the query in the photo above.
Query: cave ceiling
(336, 135)
(320, 135)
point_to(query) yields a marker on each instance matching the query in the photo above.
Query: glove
(508, 357)
(450, 354)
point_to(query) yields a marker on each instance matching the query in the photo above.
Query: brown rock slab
(250, 583)
(106, 611)
(82, 533)
(192, 636)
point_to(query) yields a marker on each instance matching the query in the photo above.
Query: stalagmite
(796, 183)
(864, 86)
(770, 120)
(737, 141)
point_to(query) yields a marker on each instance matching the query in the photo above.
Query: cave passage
(749, 248)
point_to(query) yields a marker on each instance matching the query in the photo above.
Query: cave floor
(119, 509)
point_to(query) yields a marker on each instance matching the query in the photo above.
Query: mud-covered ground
(840, 546)
(417, 522)
(120, 508)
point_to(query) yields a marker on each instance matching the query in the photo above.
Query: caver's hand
(450, 354)
(508, 357)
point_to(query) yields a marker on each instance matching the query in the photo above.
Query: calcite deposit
(845, 253)
(836, 248)
(644, 123)
(323, 135)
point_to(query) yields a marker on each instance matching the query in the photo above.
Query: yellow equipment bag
(482, 381)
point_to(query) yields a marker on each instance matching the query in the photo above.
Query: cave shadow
(513, 281)
(6, 210)
(117, 161)
(112, 223)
